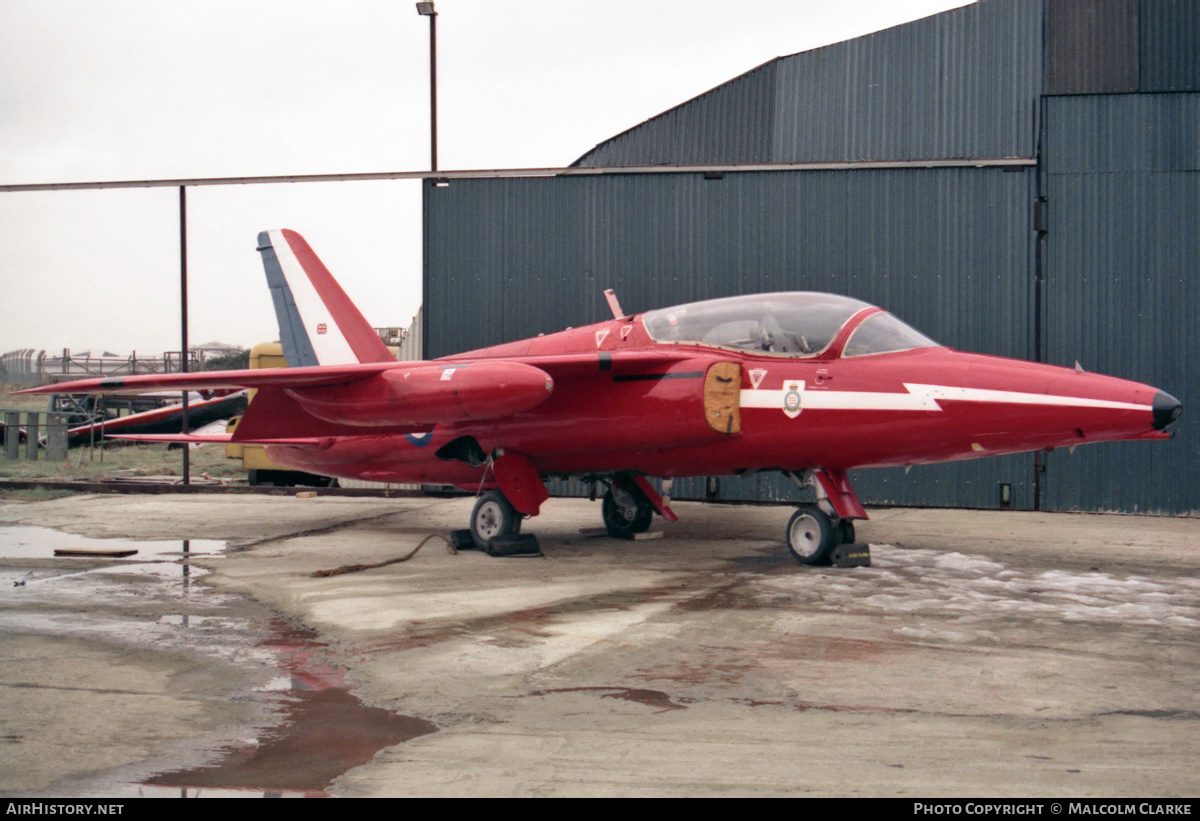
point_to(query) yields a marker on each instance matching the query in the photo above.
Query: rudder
(318, 323)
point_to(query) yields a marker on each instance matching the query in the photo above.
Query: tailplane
(318, 324)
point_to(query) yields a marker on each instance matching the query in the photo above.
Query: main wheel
(626, 511)
(810, 536)
(492, 516)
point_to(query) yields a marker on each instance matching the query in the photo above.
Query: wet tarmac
(309, 729)
(993, 654)
(323, 731)
(24, 542)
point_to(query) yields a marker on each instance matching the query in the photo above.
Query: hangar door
(949, 250)
(1123, 285)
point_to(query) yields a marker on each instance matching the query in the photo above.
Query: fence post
(31, 435)
(12, 434)
(56, 437)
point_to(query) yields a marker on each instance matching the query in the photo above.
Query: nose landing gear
(813, 534)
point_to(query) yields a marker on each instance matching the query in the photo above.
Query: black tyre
(845, 530)
(622, 519)
(811, 537)
(492, 516)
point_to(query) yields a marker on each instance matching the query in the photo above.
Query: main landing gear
(518, 492)
(496, 528)
(627, 511)
(495, 524)
(630, 504)
(492, 516)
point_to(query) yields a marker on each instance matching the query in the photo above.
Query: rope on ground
(354, 568)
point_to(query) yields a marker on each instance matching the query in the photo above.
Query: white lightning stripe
(330, 347)
(922, 398)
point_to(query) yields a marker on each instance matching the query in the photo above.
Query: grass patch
(37, 494)
(113, 459)
(123, 460)
(10, 401)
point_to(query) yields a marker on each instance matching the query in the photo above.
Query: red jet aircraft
(810, 384)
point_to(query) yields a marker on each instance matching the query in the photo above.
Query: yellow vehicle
(260, 469)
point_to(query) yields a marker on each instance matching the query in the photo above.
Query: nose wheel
(812, 536)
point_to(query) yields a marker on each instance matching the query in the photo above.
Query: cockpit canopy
(799, 323)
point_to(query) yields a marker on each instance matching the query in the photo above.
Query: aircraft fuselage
(924, 405)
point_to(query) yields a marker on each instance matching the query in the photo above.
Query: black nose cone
(1166, 410)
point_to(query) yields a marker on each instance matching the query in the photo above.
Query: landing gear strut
(626, 510)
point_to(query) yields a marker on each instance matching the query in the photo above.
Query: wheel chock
(852, 555)
(523, 544)
(461, 540)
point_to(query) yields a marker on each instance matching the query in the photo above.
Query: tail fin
(318, 324)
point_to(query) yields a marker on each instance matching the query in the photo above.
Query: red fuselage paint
(616, 407)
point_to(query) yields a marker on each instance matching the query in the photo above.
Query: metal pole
(183, 323)
(433, 140)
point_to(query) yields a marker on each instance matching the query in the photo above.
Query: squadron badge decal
(792, 392)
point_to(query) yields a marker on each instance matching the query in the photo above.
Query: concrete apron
(982, 653)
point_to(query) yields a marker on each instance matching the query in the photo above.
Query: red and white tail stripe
(318, 324)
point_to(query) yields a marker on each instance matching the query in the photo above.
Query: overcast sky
(154, 89)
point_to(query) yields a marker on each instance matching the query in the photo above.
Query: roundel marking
(419, 439)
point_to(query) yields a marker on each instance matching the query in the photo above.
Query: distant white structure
(28, 366)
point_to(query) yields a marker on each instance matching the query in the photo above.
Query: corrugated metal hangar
(1015, 177)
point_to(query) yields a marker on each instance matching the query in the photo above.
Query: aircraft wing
(320, 401)
(186, 438)
(580, 365)
(559, 366)
(305, 406)
(221, 439)
(315, 376)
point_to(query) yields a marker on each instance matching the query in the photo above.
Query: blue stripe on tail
(297, 347)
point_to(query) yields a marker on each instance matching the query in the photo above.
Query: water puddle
(314, 728)
(325, 731)
(26, 542)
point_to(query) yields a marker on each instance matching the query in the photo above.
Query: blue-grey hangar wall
(1015, 177)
